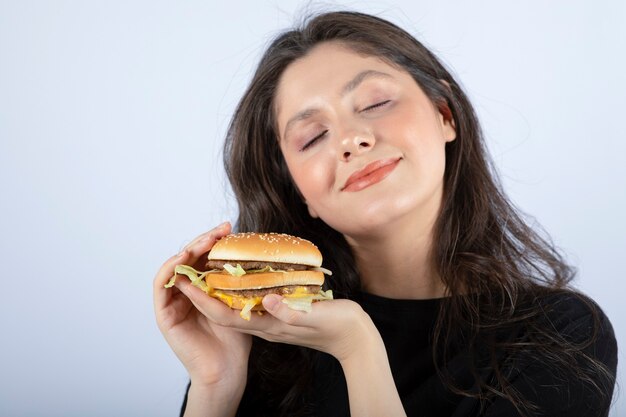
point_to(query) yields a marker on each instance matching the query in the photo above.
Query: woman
(354, 136)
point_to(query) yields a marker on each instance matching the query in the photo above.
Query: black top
(406, 327)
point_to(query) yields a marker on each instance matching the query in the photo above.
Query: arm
(340, 328)
(210, 402)
(215, 357)
(371, 388)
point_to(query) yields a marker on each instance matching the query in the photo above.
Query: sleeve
(246, 406)
(183, 407)
(556, 392)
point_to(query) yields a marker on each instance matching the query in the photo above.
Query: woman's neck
(397, 262)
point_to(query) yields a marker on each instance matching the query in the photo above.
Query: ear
(448, 126)
(446, 118)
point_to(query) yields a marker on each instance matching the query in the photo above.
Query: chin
(371, 218)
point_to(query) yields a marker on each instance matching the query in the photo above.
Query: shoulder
(575, 317)
(568, 361)
(559, 358)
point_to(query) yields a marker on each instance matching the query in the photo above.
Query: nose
(355, 143)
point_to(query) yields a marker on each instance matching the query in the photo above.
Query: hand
(215, 356)
(337, 327)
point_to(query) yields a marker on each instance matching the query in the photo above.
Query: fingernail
(270, 302)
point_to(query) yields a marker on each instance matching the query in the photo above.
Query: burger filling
(297, 297)
(286, 290)
(248, 265)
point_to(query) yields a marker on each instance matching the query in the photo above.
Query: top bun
(268, 247)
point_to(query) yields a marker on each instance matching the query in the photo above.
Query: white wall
(111, 121)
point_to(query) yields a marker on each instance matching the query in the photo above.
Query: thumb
(274, 305)
(271, 301)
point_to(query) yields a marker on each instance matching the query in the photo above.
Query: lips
(372, 173)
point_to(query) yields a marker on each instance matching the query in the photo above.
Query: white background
(112, 116)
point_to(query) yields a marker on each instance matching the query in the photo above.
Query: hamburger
(242, 268)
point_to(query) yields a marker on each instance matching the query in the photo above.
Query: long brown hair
(483, 248)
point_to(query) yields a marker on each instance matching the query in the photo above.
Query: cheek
(415, 129)
(402, 125)
(420, 139)
(312, 176)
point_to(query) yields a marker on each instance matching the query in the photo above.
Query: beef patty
(217, 264)
(289, 289)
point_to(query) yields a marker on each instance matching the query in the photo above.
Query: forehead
(321, 74)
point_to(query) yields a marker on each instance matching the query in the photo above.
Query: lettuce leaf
(245, 311)
(304, 302)
(323, 270)
(324, 295)
(236, 271)
(196, 277)
(301, 302)
(171, 282)
(265, 269)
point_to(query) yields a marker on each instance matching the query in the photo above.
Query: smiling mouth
(371, 174)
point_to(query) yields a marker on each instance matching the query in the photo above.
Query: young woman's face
(363, 143)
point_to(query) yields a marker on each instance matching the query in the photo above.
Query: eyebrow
(350, 86)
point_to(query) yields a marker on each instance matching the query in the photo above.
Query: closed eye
(313, 141)
(377, 105)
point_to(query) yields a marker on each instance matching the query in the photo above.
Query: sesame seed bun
(268, 247)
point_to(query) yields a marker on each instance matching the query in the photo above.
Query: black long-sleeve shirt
(406, 327)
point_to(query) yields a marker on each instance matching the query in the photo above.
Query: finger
(208, 235)
(219, 313)
(274, 305)
(190, 254)
(203, 243)
(213, 309)
(165, 273)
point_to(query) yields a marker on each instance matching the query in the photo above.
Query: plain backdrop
(112, 116)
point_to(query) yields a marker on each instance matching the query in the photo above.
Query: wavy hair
(483, 247)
